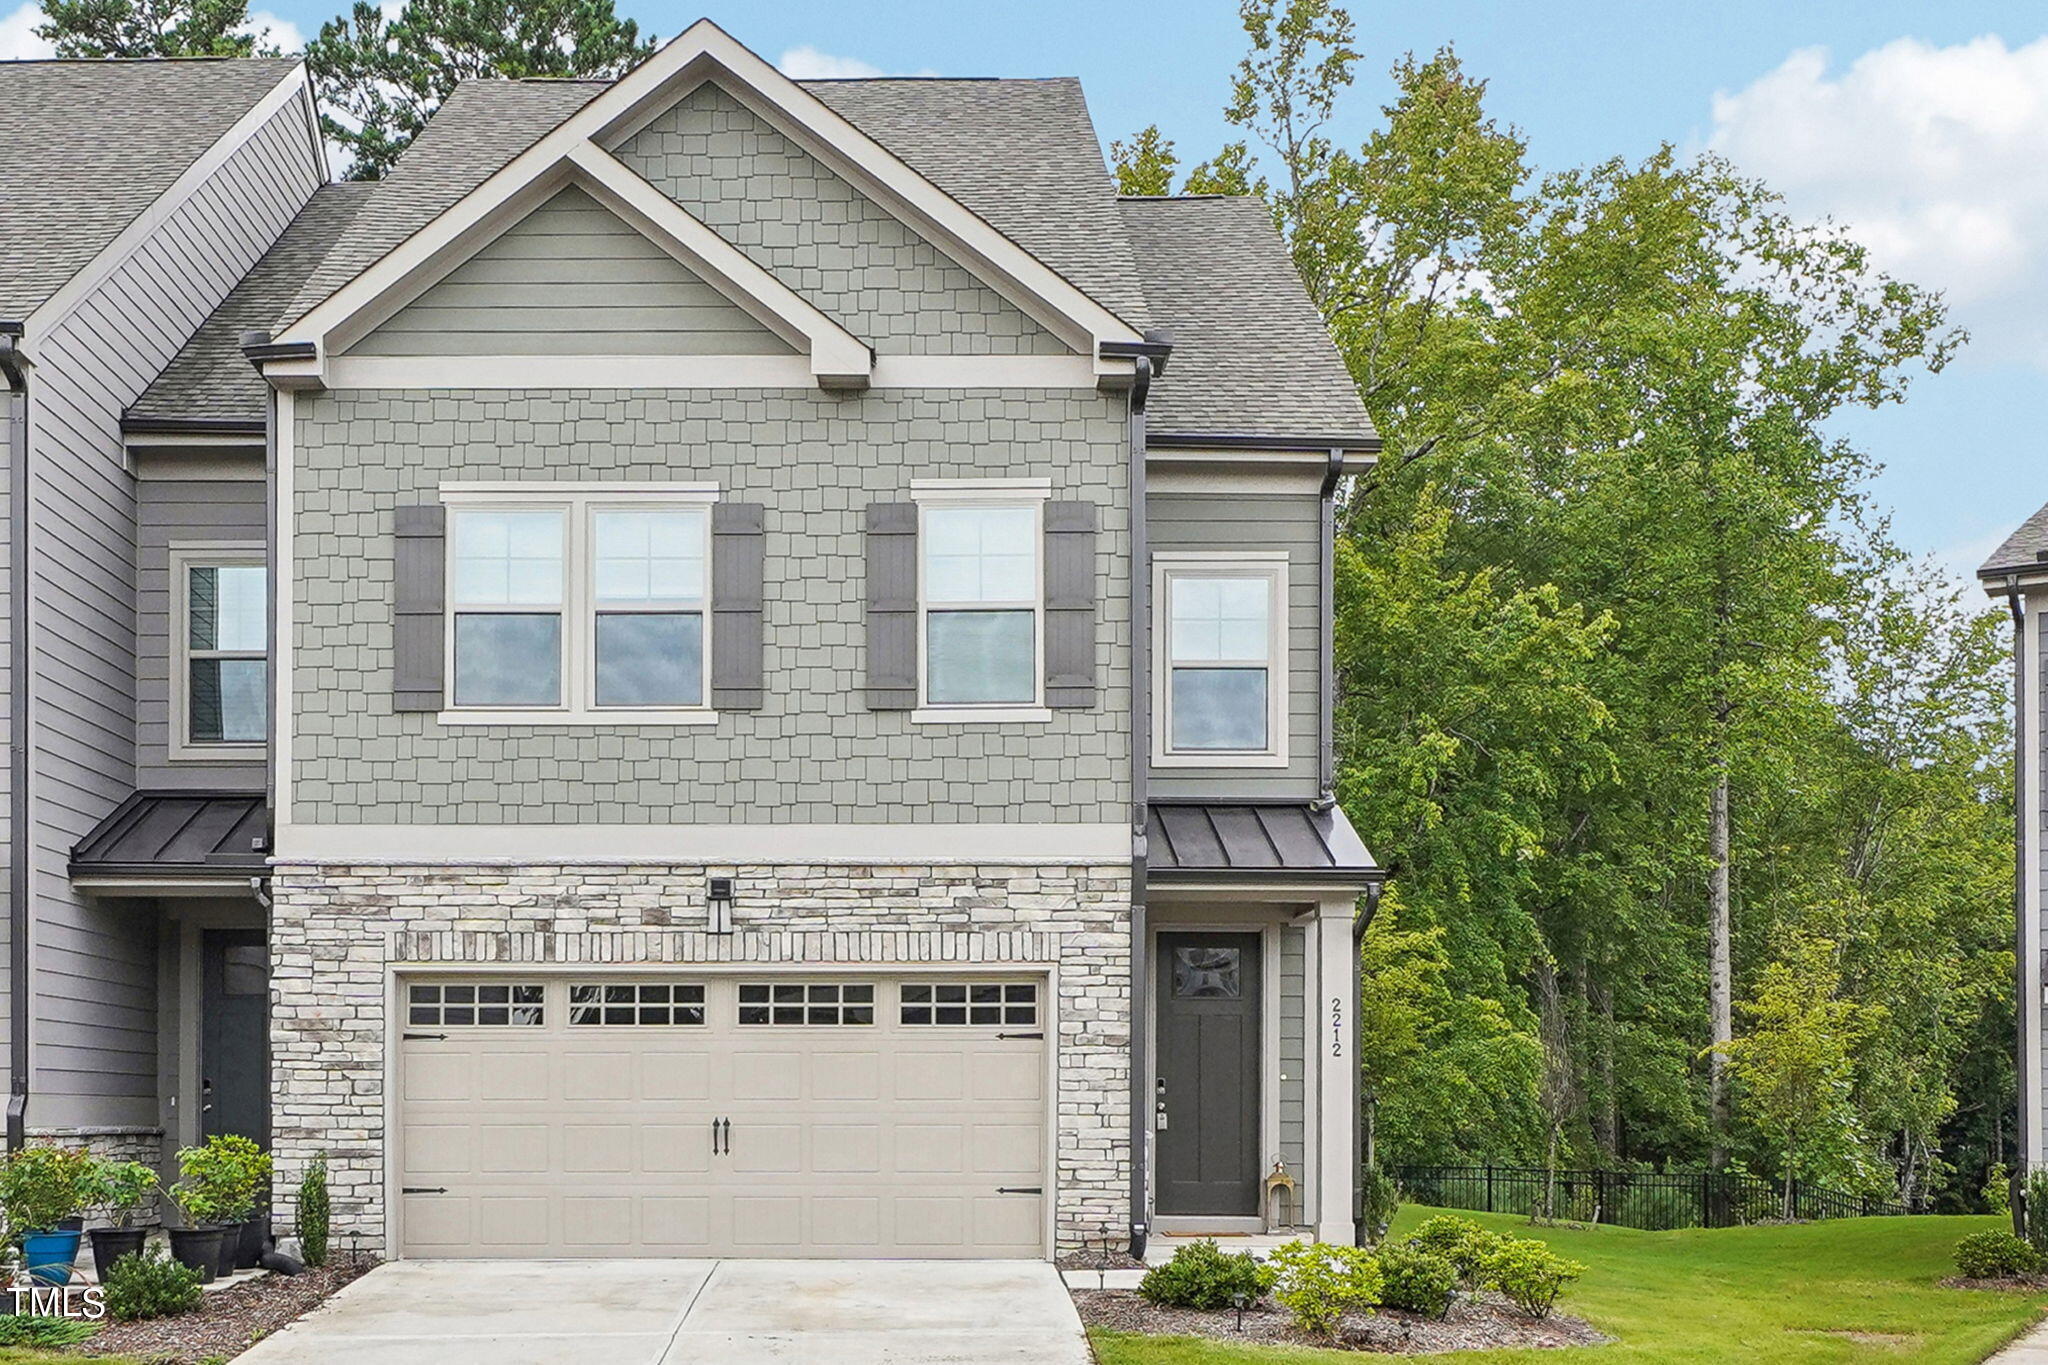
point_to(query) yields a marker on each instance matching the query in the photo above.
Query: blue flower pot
(50, 1256)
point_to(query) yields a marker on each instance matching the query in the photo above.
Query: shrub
(1462, 1242)
(222, 1181)
(1379, 1201)
(313, 1213)
(117, 1187)
(1529, 1273)
(1417, 1280)
(1992, 1255)
(2035, 1192)
(149, 1284)
(42, 1186)
(1998, 1188)
(36, 1329)
(1319, 1283)
(1201, 1275)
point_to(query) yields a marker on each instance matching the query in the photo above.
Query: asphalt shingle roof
(2026, 548)
(209, 380)
(85, 147)
(1250, 355)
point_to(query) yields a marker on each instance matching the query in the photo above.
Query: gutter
(2023, 1007)
(14, 368)
(1237, 440)
(1326, 758)
(1141, 750)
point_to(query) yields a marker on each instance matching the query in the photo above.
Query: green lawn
(1862, 1289)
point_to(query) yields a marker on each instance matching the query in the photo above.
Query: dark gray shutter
(1070, 604)
(738, 561)
(419, 608)
(892, 606)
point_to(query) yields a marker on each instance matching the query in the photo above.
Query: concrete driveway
(685, 1312)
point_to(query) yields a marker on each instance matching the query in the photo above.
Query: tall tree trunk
(1721, 977)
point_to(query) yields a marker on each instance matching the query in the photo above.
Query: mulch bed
(229, 1322)
(2005, 1282)
(1096, 1260)
(1473, 1324)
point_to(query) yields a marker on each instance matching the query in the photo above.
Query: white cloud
(809, 64)
(17, 34)
(272, 31)
(1933, 156)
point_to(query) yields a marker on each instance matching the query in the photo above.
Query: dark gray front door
(1208, 1153)
(234, 1046)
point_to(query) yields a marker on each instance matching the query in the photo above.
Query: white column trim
(2027, 741)
(1333, 1033)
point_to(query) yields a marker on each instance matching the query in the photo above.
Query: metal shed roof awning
(1188, 841)
(177, 836)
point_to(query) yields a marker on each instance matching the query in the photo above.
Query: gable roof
(90, 145)
(1251, 357)
(2024, 549)
(209, 382)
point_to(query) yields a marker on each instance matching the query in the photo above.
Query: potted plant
(117, 1187)
(207, 1193)
(251, 1191)
(40, 1187)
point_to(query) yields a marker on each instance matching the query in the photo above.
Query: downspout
(14, 366)
(1141, 751)
(1326, 765)
(2023, 1007)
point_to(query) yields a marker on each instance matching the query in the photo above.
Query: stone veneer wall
(336, 929)
(145, 1145)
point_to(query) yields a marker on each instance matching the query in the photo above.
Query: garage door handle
(423, 1189)
(726, 1124)
(721, 1137)
(1002, 1036)
(1020, 1189)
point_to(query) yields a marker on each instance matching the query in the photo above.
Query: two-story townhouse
(799, 682)
(2018, 574)
(133, 197)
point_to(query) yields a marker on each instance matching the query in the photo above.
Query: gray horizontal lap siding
(182, 512)
(824, 239)
(2037, 604)
(571, 279)
(94, 963)
(1294, 1059)
(814, 752)
(1243, 521)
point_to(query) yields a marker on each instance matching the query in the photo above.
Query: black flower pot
(75, 1223)
(111, 1244)
(254, 1233)
(198, 1248)
(230, 1248)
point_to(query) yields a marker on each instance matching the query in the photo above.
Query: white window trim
(1268, 564)
(577, 502)
(184, 557)
(948, 493)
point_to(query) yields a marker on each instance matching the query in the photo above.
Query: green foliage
(1201, 1275)
(152, 28)
(382, 75)
(1379, 1200)
(41, 1186)
(221, 1181)
(1997, 1192)
(116, 1187)
(1145, 164)
(43, 1332)
(313, 1213)
(1318, 1283)
(1994, 1254)
(2035, 1193)
(1461, 1241)
(149, 1284)
(1416, 1279)
(1529, 1273)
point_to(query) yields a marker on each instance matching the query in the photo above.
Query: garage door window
(658, 1003)
(823, 1002)
(509, 1006)
(989, 1002)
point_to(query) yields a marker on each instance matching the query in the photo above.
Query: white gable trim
(574, 147)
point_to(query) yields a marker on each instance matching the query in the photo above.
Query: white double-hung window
(221, 678)
(981, 594)
(589, 603)
(1221, 693)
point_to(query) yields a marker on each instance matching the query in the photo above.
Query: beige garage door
(641, 1115)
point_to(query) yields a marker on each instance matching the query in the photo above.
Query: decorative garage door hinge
(417, 1037)
(423, 1189)
(1020, 1189)
(1001, 1036)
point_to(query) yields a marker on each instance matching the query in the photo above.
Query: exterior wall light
(718, 901)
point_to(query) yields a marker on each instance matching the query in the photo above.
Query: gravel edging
(1486, 1322)
(229, 1322)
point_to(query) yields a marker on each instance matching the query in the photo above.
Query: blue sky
(1925, 127)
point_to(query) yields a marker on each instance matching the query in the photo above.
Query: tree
(1797, 1063)
(1145, 164)
(383, 78)
(152, 28)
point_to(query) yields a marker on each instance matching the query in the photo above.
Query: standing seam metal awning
(1209, 841)
(177, 834)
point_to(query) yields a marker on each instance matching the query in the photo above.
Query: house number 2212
(1336, 1026)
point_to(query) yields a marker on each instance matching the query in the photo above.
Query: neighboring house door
(1209, 1007)
(233, 1043)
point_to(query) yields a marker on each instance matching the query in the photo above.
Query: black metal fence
(1631, 1199)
